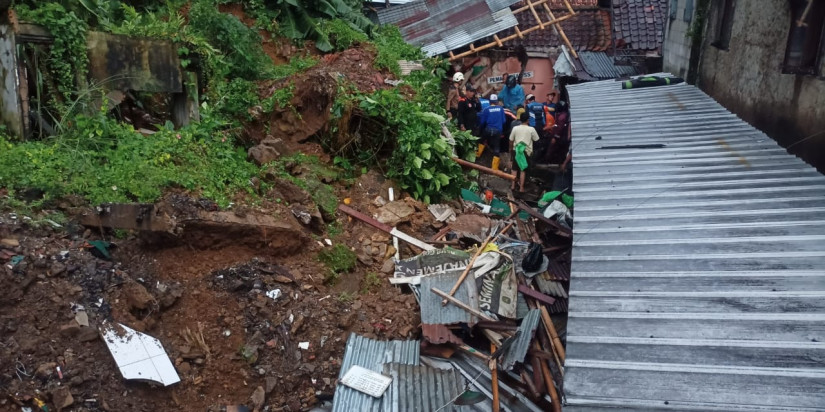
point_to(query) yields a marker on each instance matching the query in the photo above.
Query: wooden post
(551, 388)
(487, 170)
(519, 34)
(494, 378)
(498, 41)
(554, 337)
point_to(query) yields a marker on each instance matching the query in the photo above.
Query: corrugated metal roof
(518, 350)
(432, 312)
(601, 66)
(421, 388)
(478, 374)
(439, 334)
(697, 273)
(370, 354)
(439, 26)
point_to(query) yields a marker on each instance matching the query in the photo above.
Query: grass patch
(371, 282)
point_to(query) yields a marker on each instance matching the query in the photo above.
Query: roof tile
(639, 23)
(588, 30)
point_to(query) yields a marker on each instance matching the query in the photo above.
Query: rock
(137, 296)
(184, 368)
(70, 329)
(57, 269)
(87, 334)
(347, 320)
(365, 259)
(380, 237)
(290, 192)
(258, 398)
(9, 242)
(379, 201)
(45, 369)
(382, 250)
(388, 267)
(268, 150)
(75, 381)
(270, 384)
(390, 252)
(62, 398)
(82, 318)
(394, 212)
(283, 279)
(170, 295)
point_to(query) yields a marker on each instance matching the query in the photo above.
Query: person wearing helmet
(512, 94)
(491, 125)
(454, 94)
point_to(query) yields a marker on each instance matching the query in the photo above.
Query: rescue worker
(491, 125)
(454, 94)
(522, 138)
(541, 120)
(468, 109)
(512, 94)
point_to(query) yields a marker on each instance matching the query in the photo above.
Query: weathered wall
(10, 105)
(676, 48)
(748, 79)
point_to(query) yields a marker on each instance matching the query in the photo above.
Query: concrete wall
(747, 78)
(676, 48)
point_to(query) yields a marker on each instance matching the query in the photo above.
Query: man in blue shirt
(512, 94)
(491, 125)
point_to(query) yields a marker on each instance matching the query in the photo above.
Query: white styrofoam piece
(364, 380)
(139, 356)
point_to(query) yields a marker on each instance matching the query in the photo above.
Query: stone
(268, 150)
(57, 269)
(87, 334)
(394, 212)
(76, 381)
(62, 398)
(45, 369)
(137, 296)
(388, 267)
(380, 237)
(9, 242)
(70, 329)
(390, 252)
(184, 368)
(282, 279)
(82, 318)
(270, 382)
(365, 259)
(258, 398)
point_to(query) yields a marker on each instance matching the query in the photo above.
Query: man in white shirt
(521, 148)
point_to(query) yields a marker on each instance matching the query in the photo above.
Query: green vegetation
(107, 161)
(371, 282)
(392, 48)
(346, 297)
(338, 259)
(341, 34)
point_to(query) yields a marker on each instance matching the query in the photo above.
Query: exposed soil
(174, 290)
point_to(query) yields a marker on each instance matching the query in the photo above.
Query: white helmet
(458, 77)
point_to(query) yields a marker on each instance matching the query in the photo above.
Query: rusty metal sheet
(128, 63)
(438, 334)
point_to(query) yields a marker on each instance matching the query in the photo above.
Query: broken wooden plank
(541, 297)
(385, 228)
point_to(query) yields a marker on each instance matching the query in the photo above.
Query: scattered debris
(367, 381)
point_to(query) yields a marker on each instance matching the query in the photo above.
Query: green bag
(521, 158)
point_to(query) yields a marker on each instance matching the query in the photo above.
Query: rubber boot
(496, 161)
(480, 150)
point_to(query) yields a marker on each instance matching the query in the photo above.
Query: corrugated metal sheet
(698, 273)
(421, 388)
(432, 312)
(370, 354)
(477, 373)
(439, 26)
(517, 351)
(601, 66)
(550, 287)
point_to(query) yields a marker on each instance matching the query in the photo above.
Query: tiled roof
(601, 66)
(639, 24)
(588, 30)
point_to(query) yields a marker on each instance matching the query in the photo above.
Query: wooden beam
(554, 337)
(541, 297)
(560, 230)
(460, 304)
(519, 34)
(535, 13)
(498, 41)
(559, 30)
(469, 267)
(569, 7)
(483, 169)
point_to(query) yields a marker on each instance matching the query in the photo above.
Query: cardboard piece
(138, 355)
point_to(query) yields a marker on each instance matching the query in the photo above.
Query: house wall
(542, 69)
(747, 78)
(676, 47)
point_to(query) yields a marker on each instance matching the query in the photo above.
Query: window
(724, 24)
(688, 11)
(805, 49)
(674, 8)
